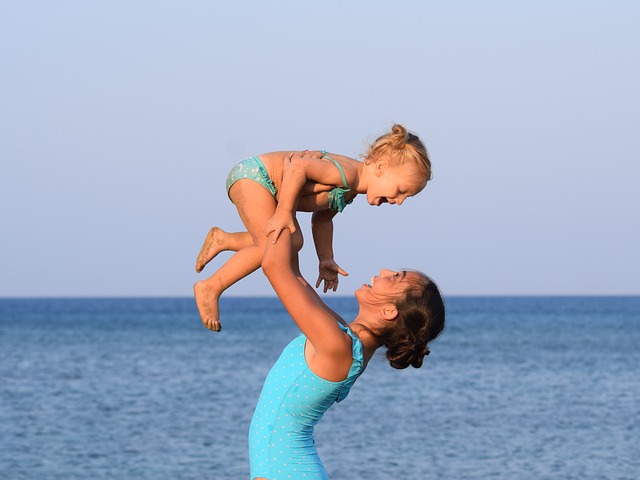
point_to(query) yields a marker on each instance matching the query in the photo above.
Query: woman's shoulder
(333, 362)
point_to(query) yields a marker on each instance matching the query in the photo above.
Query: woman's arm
(298, 171)
(319, 326)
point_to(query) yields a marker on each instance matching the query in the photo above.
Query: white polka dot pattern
(293, 399)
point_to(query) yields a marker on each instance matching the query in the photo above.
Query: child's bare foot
(207, 302)
(212, 246)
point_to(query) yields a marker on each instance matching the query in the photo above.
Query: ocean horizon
(517, 387)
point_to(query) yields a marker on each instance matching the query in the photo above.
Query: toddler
(268, 189)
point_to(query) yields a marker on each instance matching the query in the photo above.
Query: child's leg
(217, 241)
(255, 206)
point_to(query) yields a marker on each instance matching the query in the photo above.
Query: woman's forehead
(413, 277)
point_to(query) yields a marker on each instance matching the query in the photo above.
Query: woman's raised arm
(319, 326)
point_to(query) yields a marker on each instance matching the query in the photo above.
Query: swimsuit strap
(357, 365)
(344, 179)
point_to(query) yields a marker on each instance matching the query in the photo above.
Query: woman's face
(388, 285)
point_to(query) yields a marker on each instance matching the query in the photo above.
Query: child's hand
(278, 223)
(329, 271)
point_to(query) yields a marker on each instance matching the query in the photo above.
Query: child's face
(393, 184)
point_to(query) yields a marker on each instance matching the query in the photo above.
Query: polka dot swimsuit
(292, 401)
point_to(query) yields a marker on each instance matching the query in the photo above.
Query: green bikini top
(336, 195)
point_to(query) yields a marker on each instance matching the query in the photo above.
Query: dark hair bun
(403, 355)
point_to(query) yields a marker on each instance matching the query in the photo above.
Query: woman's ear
(389, 311)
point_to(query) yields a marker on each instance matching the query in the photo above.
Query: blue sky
(120, 120)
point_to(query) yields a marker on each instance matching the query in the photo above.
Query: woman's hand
(329, 271)
(304, 154)
(279, 222)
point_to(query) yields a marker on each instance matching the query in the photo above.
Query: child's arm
(322, 230)
(299, 170)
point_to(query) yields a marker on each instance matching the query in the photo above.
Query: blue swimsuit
(253, 169)
(292, 401)
(336, 195)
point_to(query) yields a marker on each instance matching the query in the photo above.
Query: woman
(401, 311)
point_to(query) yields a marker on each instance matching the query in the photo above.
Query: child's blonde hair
(400, 146)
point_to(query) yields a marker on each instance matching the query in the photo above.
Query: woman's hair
(400, 146)
(420, 319)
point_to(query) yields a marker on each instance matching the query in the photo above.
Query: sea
(128, 388)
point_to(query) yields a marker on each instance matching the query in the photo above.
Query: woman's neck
(364, 331)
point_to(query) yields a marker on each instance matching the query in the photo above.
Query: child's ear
(380, 167)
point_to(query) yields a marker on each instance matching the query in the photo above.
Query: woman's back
(292, 402)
